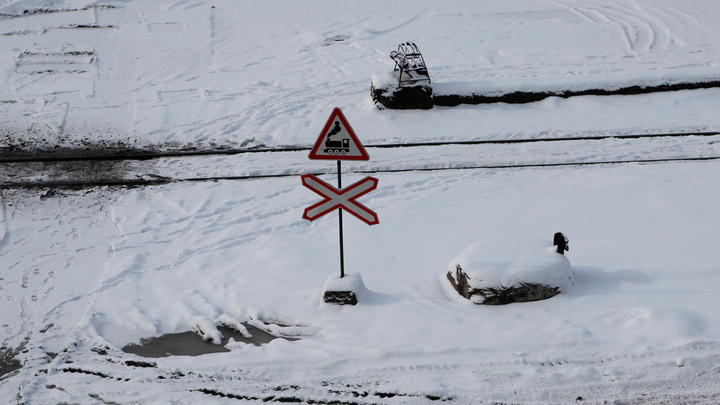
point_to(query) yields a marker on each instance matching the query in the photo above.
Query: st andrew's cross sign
(334, 198)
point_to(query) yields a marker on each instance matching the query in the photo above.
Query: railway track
(137, 168)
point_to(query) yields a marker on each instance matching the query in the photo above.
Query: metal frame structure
(409, 64)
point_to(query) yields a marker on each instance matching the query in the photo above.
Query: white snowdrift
(207, 329)
(501, 264)
(83, 273)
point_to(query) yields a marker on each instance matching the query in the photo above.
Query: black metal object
(409, 64)
(340, 223)
(340, 147)
(340, 297)
(561, 242)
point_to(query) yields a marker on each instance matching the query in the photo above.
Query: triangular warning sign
(337, 141)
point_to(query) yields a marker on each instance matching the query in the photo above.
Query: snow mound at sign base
(505, 271)
(347, 290)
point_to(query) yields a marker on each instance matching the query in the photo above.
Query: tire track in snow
(419, 17)
(642, 30)
(596, 378)
(481, 154)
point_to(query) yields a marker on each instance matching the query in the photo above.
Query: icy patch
(244, 328)
(189, 344)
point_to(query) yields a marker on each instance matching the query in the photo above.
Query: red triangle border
(337, 114)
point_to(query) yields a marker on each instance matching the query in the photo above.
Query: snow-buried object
(387, 94)
(502, 272)
(407, 87)
(343, 290)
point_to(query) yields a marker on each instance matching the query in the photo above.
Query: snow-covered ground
(85, 272)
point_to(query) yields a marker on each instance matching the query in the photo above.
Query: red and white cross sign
(340, 198)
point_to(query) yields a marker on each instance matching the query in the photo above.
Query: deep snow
(502, 264)
(85, 272)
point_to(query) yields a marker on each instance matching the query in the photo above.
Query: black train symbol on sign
(341, 146)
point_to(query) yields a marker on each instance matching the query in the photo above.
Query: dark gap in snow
(272, 398)
(191, 344)
(386, 94)
(84, 371)
(336, 39)
(8, 362)
(142, 364)
(46, 10)
(87, 26)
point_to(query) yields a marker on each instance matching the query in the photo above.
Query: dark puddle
(192, 344)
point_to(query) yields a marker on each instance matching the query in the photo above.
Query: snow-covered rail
(250, 164)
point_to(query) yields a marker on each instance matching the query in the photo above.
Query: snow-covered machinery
(409, 64)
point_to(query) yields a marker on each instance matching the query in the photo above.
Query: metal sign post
(340, 225)
(337, 141)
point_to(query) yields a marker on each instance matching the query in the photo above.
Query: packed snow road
(248, 164)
